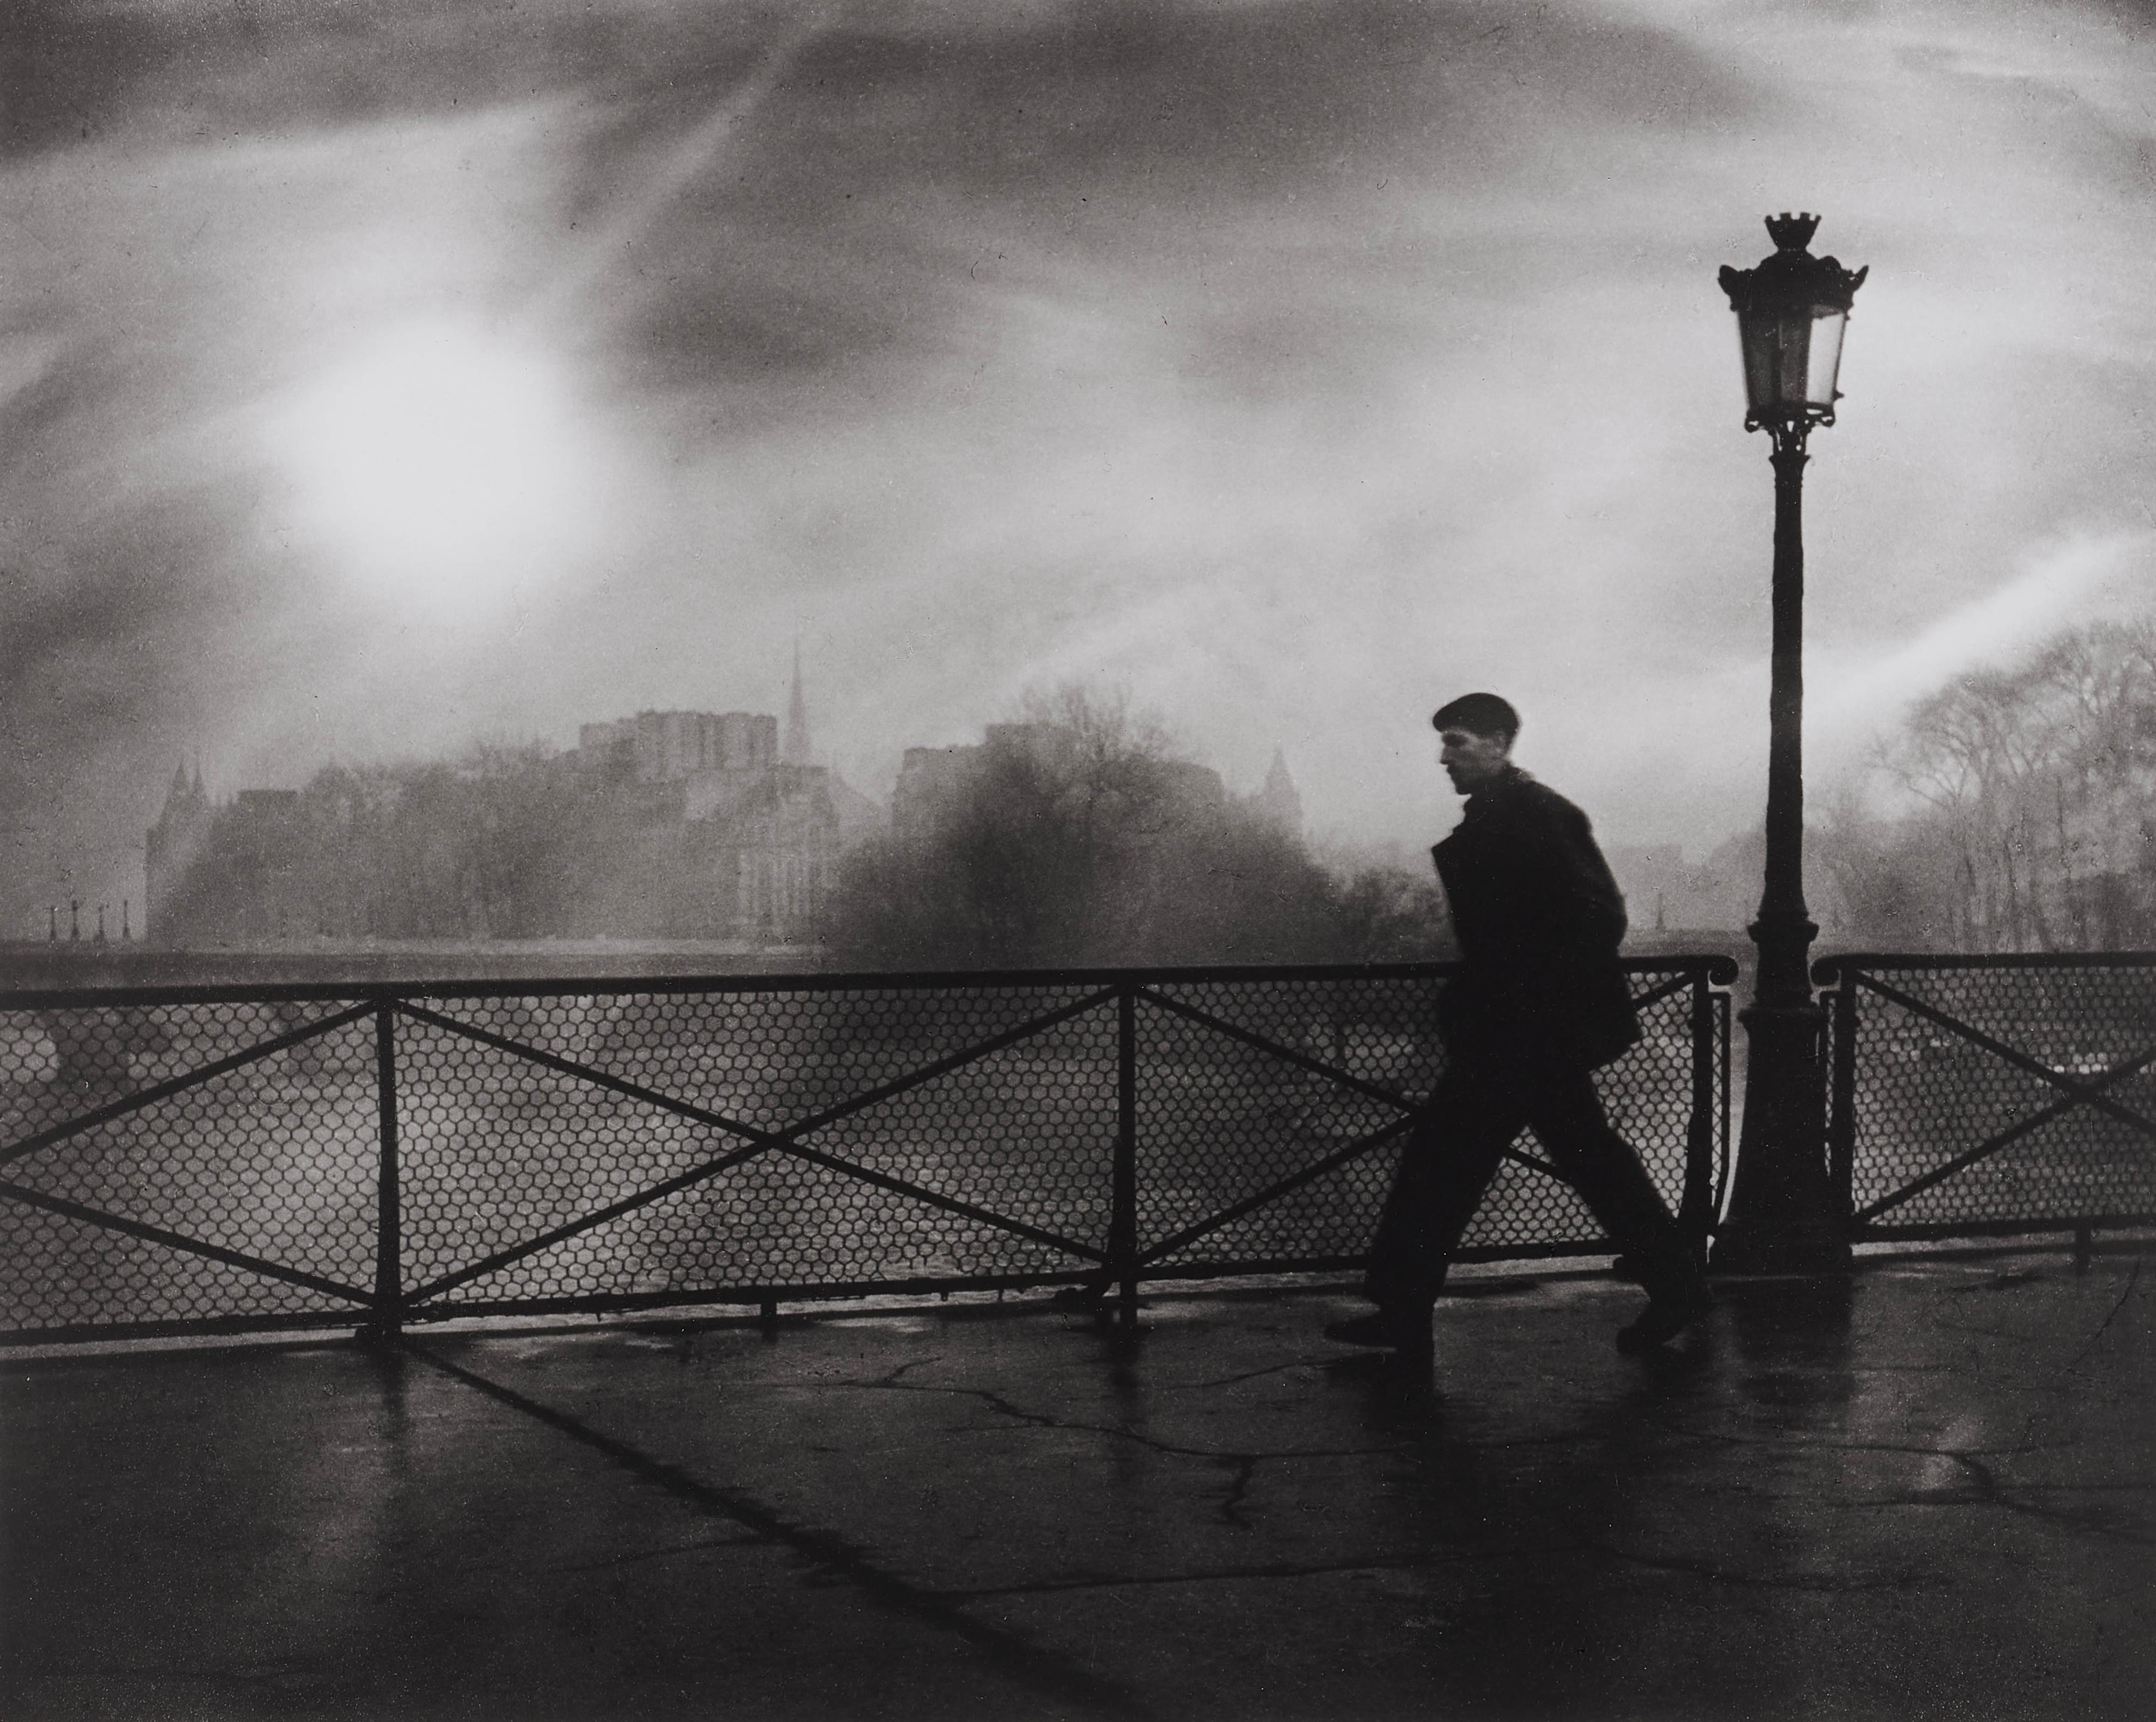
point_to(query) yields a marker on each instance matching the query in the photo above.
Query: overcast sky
(376, 377)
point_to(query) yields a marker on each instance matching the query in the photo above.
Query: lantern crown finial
(1791, 232)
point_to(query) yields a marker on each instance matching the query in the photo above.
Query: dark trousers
(1452, 1151)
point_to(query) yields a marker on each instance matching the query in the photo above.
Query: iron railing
(286, 1157)
(1974, 1096)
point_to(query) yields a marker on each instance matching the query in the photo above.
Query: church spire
(794, 750)
(1278, 800)
(180, 797)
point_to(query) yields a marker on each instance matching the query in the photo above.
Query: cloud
(2083, 579)
(1292, 364)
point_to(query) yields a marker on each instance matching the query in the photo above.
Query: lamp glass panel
(1793, 342)
(1755, 338)
(1824, 360)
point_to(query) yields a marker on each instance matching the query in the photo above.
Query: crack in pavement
(833, 1557)
(1990, 1491)
(2057, 1381)
(1254, 1374)
(1910, 1449)
(1268, 1569)
(643, 1554)
(1999, 1283)
(1824, 1583)
(1043, 1420)
(1244, 1464)
(2104, 1327)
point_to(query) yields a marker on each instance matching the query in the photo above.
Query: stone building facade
(667, 824)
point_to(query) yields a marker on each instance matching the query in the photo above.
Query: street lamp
(1791, 311)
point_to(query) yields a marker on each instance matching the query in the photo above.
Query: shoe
(1662, 1321)
(1394, 1329)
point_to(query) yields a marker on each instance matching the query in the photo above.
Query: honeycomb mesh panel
(57, 1062)
(1219, 1121)
(773, 1221)
(1330, 1217)
(2080, 1165)
(275, 1160)
(1926, 1095)
(500, 1150)
(494, 1151)
(1647, 1093)
(1382, 1031)
(1028, 1132)
(767, 1059)
(56, 1272)
(1529, 1210)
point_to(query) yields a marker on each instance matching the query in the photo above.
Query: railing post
(1696, 1212)
(1726, 1075)
(1841, 1099)
(1123, 1212)
(389, 1321)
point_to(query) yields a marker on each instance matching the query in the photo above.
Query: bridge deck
(1929, 1496)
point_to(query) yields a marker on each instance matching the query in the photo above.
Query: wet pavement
(1924, 1492)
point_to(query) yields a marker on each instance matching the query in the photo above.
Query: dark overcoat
(1539, 918)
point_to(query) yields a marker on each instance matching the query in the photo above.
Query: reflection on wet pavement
(1923, 1491)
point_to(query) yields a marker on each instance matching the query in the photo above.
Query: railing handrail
(451, 1275)
(1715, 967)
(1828, 970)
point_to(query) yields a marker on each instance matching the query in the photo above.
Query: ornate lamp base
(1783, 1218)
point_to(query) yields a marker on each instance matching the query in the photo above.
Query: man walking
(1539, 1002)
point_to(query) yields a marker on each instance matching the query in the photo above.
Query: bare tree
(1080, 835)
(2028, 794)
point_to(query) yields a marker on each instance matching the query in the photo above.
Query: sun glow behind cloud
(440, 463)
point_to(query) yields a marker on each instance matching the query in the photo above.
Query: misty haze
(387, 396)
(998, 858)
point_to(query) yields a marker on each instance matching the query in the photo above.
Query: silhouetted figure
(1539, 1002)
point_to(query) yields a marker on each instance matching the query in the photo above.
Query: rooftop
(1923, 1492)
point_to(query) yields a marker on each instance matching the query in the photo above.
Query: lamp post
(1791, 311)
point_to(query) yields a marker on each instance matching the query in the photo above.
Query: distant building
(1278, 802)
(931, 783)
(243, 866)
(934, 782)
(667, 824)
(795, 750)
(668, 747)
(174, 844)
